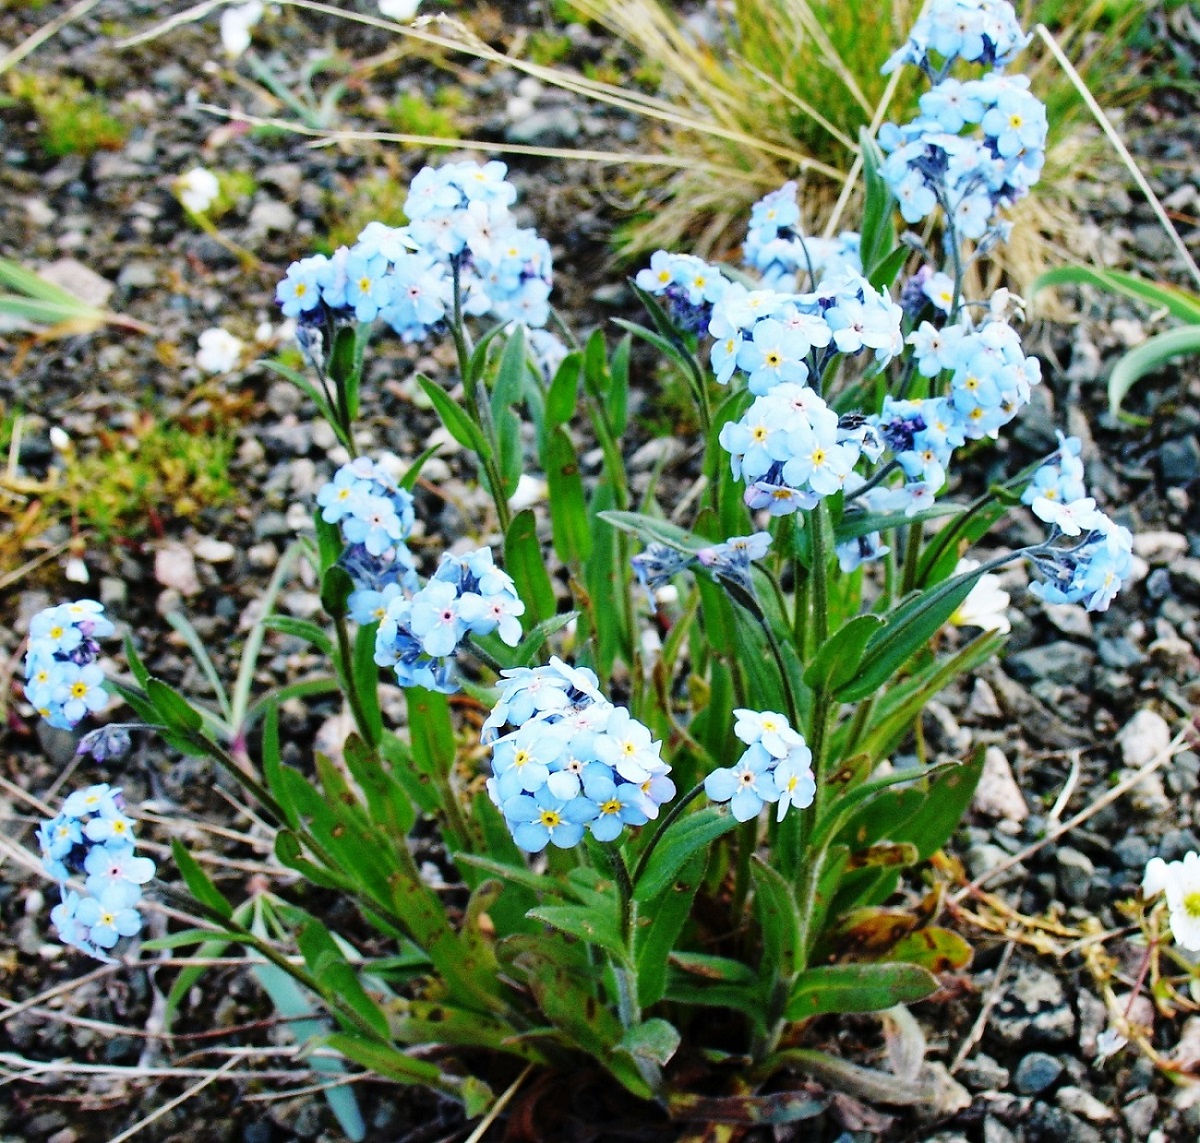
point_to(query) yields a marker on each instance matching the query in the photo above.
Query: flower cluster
(776, 766)
(792, 450)
(931, 164)
(460, 230)
(688, 285)
(419, 635)
(92, 837)
(1180, 881)
(570, 760)
(775, 338)
(782, 254)
(375, 516)
(729, 562)
(975, 31)
(63, 680)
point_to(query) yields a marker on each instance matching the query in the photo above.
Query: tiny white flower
(1157, 877)
(1183, 901)
(1108, 1043)
(401, 10)
(219, 351)
(236, 24)
(59, 439)
(197, 190)
(986, 603)
(530, 490)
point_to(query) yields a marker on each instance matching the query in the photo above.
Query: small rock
(1070, 619)
(269, 215)
(1047, 1124)
(287, 177)
(995, 1132)
(1133, 852)
(1141, 1115)
(1036, 1072)
(982, 859)
(553, 127)
(983, 702)
(1181, 460)
(137, 275)
(1120, 654)
(982, 1073)
(175, 568)
(113, 592)
(266, 555)
(271, 524)
(1143, 738)
(1175, 843)
(1187, 1052)
(1075, 872)
(77, 279)
(1068, 664)
(1160, 547)
(1033, 1012)
(1080, 1102)
(213, 551)
(302, 604)
(998, 794)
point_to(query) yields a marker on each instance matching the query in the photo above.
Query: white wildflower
(986, 603)
(219, 351)
(236, 24)
(197, 190)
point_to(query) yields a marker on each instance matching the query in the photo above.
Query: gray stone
(1048, 1124)
(1080, 1102)
(1141, 1115)
(1036, 1072)
(138, 275)
(1068, 664)
(1181, 460)
(1175, 843)
(271, 524)
(982, 1073)
(1069, 618)
(995, 1132)
(268, 214)
(1033, 1012)
(1146, 735)
(1075, 872)
(1119, 654)
(553, 127)
(1133, 851)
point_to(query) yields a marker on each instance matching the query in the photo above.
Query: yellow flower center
(818, 457)
(612, 806)
(1191, 904)
(520, 758)
(364, 284)
(774, 359)
(79, 690)
(301, 289)
(550, 818)
(759, 433)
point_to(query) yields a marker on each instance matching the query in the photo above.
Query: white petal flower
(236, 24)
(1183, 900)
(401, 10)
(1157, 877)
(219, 351)
(986, 603)
(197, 190)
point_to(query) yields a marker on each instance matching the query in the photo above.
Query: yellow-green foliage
(157, 470)
(411, 114)
(70, 120)
(547, 48)
(381, 198)
(787, 85)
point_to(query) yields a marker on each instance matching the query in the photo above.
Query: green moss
(546, 48)
(71, 121)
(158, 471)
(381, 198)
(412, 114)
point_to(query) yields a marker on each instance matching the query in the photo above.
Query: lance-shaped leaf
(585, 923)
(1180, 303)
(173, 709)
(327, 964)
(934, 948)
(653, 529)
(683, 837)
(658, 927)
(523, 561)
(563, 394)
(947, 796)
(199, 884)
(458, 424)
(857, 988)
(1148, 357)
(837, 659)
(779, 1107)
(568, 508)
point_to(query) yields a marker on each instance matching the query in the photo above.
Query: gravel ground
(1077, 702)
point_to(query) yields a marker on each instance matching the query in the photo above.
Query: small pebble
(1036, 1072)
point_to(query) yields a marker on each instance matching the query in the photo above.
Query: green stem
(912, 557)
(663, 826)
(350, 685)
(820, 573)
(785, 676)
(747, 842)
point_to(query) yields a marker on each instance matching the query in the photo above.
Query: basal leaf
(858, 988)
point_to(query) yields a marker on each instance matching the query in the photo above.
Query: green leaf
(457, 423)
(563, 396)
(394, 1064)
(1146, 358)
(779, 922)
(878, 230)
(510, 379)
(888, 269)
(479, 355)
(342, 354)
(908, 628)
(1181, 304)
(854, 524)
(409, 480)
(198, 882)
(366, 682)
(433, 748)
(532, 644)
(524, 562)
(617, 405)
(586, 924)
(512, 459)
(329, 541)
(272, 764)
(173, 709)
(683, 837)
(837, 659)
(652, 529)
(340, 982)
(857, 988)
(336, 589)
(387, 802)
(136, 667)
(568, 508)
(290, 852)
(178, 940)
(655, 1041)
(947, 797)
(301, 629)
(664, 345)
(939, 950)
(659, 927)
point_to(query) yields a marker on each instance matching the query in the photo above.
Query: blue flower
(746, 786)
(543, 818)
(300, 290)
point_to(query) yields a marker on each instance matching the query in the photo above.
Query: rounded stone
(1036, 1072)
